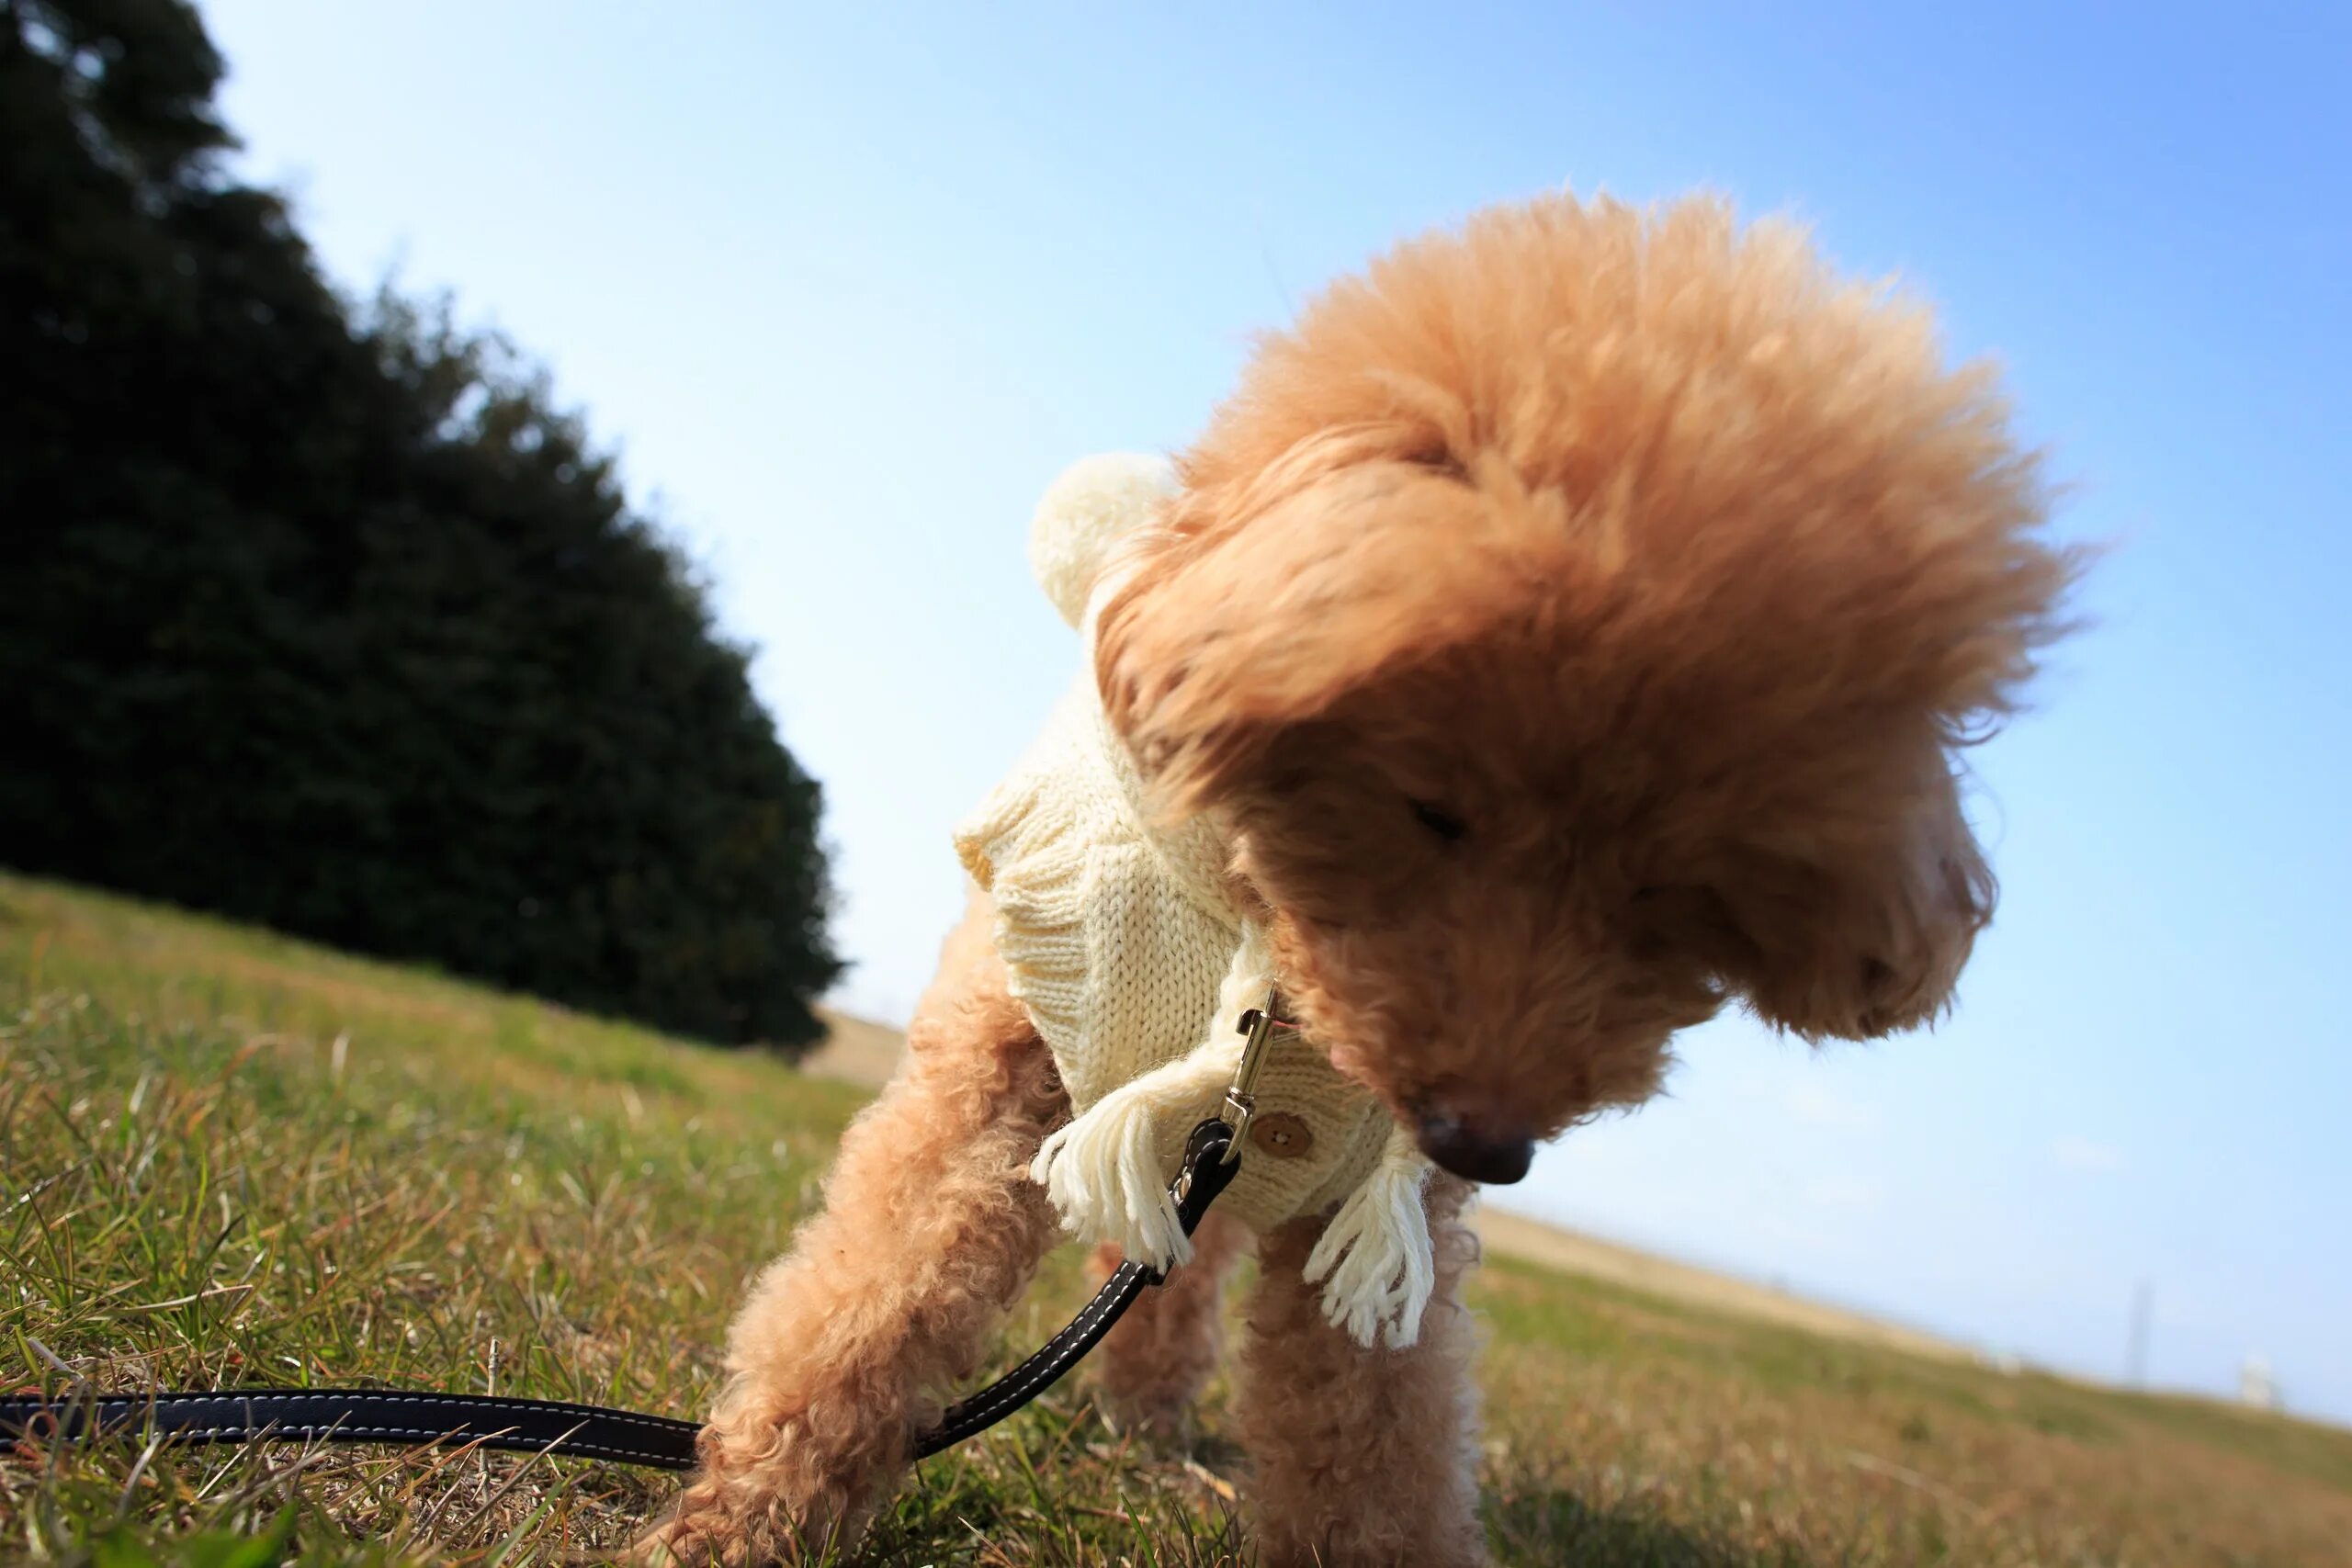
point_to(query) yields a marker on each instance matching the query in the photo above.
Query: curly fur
(852, 1344)
(1575, 621)
(1363, 1456)
(1673, 569)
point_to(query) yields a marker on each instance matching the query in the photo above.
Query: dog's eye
(1440, 460)
(1440, 821)
(1668, 901)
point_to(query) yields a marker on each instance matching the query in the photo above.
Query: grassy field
(229, 1157)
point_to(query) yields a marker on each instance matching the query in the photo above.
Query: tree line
(322, 613)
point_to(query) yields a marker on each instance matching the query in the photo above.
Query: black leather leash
(1204, 1174)
(356, 1415)
(589, 1431)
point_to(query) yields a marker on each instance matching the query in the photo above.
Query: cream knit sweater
(1133, 960)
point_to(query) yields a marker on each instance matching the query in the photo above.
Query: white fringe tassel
(1104, 1171)
(1376, 1253)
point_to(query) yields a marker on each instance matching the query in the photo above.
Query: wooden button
(1283, 1136)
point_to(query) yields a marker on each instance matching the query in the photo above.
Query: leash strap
(552, 1426)
(357, 1415)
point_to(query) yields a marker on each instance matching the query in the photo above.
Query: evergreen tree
(328, 617)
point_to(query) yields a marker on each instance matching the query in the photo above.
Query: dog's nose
(1473, 1154)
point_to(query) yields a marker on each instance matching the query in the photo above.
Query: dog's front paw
(701, 1532)
(757, 1500)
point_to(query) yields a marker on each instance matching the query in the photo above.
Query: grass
(229, 1158)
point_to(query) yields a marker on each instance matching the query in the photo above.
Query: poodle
(1568, 628)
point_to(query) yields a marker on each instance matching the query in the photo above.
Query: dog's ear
(1868, 941)
(1222, 632)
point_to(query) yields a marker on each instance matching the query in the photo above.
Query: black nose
(1473, 1155)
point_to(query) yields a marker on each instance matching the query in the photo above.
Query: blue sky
(848, 285)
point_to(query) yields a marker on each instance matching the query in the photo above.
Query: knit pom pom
(1094, 504)
(1376, 1253)
(1105, 1172)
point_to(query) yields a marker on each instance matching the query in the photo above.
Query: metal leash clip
(1258, 1026)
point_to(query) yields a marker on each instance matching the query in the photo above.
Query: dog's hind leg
(851, 1343)
(1151, 1366)
(1365, 1459)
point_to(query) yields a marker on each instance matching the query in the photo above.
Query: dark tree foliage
(324, 617)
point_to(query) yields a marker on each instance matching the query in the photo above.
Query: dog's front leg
(850, 1344)
(1365, 1459)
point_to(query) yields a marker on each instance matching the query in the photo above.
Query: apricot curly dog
(1567, 629)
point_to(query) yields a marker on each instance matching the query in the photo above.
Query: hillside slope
(229, 1157)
